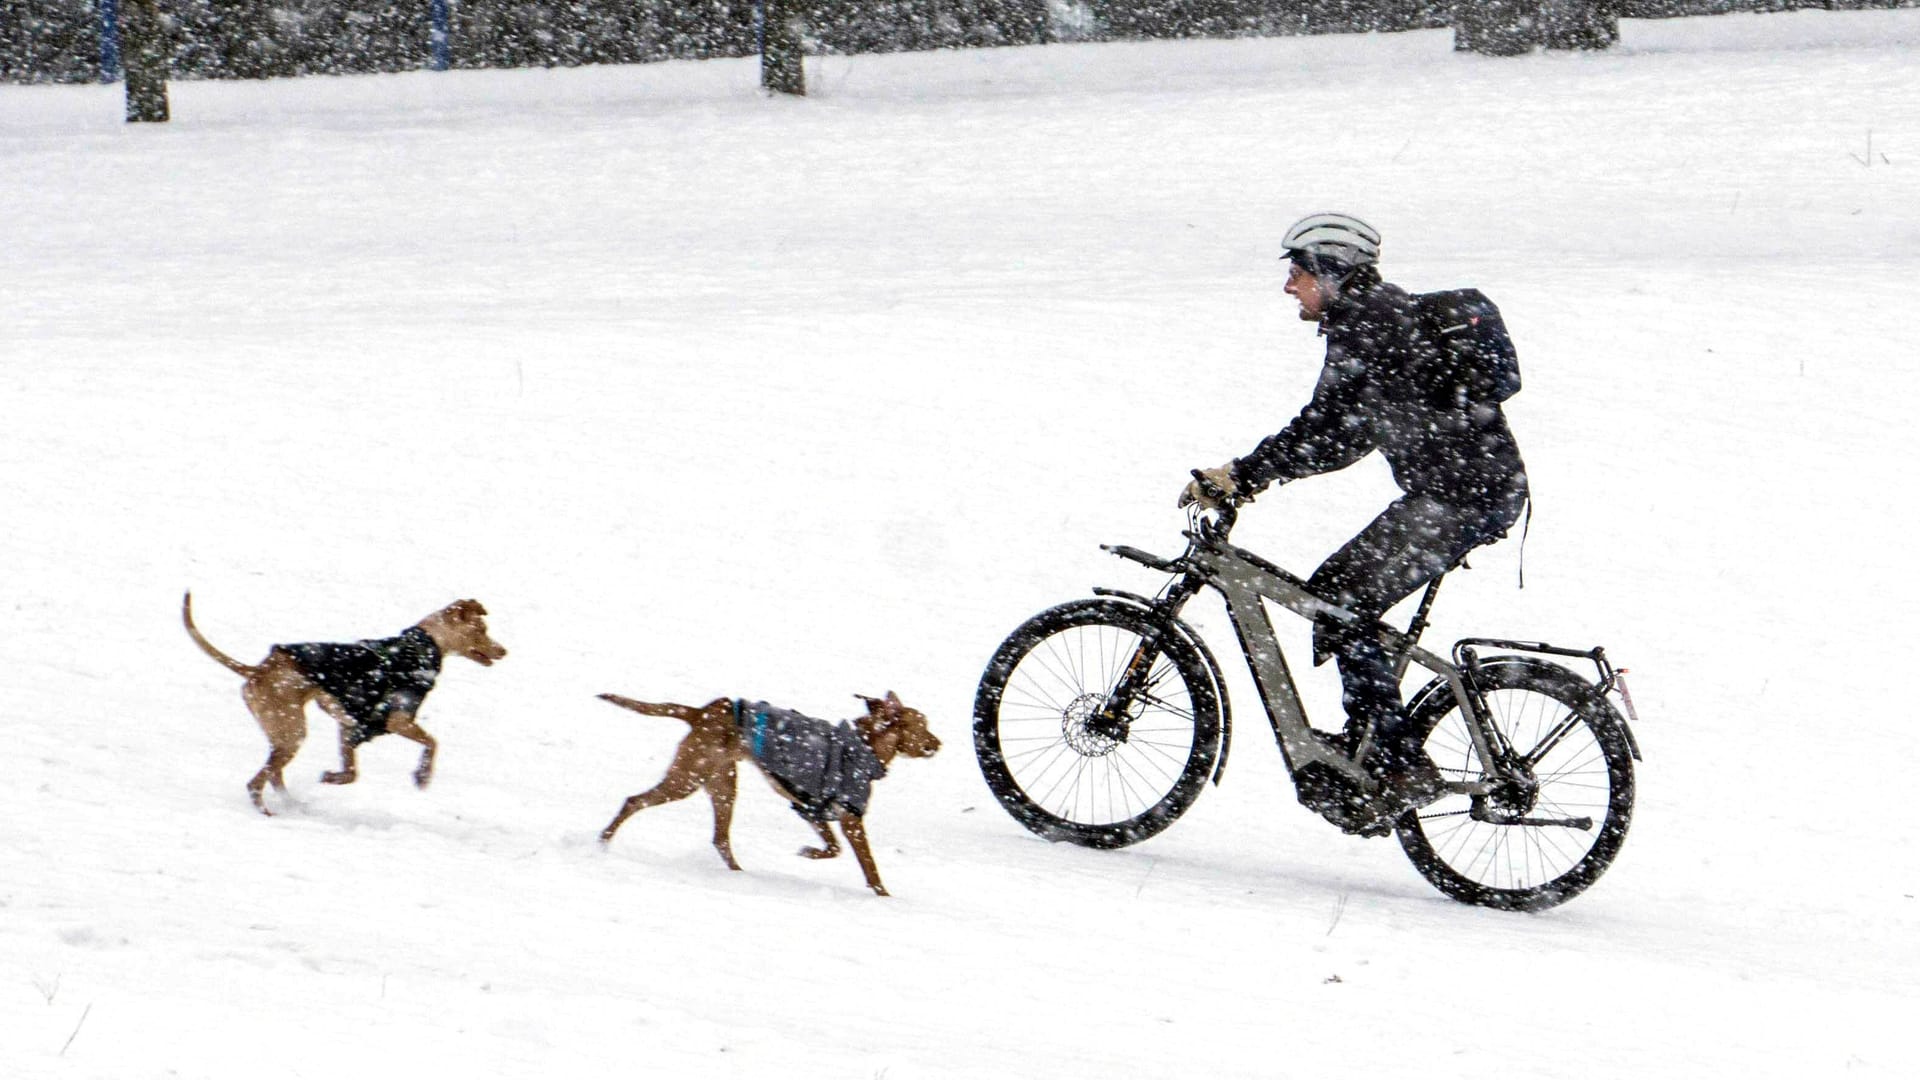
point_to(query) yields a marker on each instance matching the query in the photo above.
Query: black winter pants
(1413, 541)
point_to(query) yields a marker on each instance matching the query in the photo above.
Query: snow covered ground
(703, 393)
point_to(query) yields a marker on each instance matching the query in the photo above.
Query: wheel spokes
(1567, 781)
(1067, 767)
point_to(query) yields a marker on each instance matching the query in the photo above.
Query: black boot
(1408, 778)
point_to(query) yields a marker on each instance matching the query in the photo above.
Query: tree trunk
(109, 41)
(781, 67)
(1496, 27)
(1579, 24)
(143, 54)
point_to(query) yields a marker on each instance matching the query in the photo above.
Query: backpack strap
(1525, 528)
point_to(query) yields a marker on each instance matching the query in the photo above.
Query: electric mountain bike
(1098, 723)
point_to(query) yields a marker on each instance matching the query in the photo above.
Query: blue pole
(109, 40)
(438, 37)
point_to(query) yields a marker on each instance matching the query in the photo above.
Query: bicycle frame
(1245, 581)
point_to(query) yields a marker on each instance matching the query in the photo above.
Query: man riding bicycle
(1385, 386)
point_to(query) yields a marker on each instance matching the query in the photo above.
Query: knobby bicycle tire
(1589, 772)
(1065, 782)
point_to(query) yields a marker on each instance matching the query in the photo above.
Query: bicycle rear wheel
(1514, 849)
(1056, 772)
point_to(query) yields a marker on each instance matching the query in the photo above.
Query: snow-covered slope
(703, 393)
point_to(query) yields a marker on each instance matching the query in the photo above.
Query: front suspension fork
(1115, 716)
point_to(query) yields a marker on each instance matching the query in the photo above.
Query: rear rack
(1611, 681)
(1464, 656)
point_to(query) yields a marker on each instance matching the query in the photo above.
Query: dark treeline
(59, 40)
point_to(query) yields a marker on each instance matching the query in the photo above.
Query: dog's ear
(466, 609)
(880, 716)
(893, 699)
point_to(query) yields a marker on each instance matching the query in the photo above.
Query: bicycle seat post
(1418, 626)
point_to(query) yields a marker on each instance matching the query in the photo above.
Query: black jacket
(372, 680)
(1386, 387)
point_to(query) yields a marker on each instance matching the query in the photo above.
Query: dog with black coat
(370, 688)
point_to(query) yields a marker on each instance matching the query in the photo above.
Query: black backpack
(1476, 353)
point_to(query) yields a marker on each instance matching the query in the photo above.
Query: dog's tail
(677, 712)
(235, 666)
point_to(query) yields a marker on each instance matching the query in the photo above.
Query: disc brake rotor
(1076, 727)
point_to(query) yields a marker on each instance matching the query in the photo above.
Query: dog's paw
(343, 777)
(819, 852)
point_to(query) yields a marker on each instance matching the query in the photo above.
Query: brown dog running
(723, 733)
(369, 688)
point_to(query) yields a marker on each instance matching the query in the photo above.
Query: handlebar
(1225, 509)
(1224, 516)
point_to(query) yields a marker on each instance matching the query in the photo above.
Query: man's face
(1311, 291)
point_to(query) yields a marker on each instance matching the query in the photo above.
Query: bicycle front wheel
(1054, 766)
(1541, 839)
